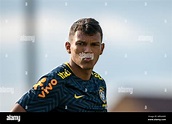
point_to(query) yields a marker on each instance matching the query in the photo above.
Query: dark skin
(82, 68)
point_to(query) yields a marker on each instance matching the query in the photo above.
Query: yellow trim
(66, 63)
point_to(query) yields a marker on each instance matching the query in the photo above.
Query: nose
(87, 49)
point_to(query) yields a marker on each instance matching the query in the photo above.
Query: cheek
(98, 52)
(75, 53)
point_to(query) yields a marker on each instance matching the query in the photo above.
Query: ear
(67, 45)
(102, 48)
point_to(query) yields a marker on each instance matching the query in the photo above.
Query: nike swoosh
(77, 97)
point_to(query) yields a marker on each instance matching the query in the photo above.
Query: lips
(87, 59)
(86, 56)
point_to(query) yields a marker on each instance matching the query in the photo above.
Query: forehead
(80, 36)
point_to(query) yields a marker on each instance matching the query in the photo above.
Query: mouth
(86, 56)
(87, 59)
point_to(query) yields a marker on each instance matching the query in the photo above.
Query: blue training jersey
(62, 91)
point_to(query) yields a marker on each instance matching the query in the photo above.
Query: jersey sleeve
(43, 96)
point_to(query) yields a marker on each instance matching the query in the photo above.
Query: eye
(80, 43)
(95, 44)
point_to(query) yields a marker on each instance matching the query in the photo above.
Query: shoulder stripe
(96, 75)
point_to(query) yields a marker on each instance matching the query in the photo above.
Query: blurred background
(136, 63)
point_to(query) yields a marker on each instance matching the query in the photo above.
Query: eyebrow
(85, 41)
(80, 41)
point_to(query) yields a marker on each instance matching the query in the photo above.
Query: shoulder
(61, 72)
(97, 76)
(54, 77)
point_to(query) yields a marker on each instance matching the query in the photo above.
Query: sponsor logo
(78, 96)
(64, 74)
(45, 90)
(39, 83)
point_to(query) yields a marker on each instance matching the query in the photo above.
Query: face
(84, 49)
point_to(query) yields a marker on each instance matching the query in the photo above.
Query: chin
(87, 67)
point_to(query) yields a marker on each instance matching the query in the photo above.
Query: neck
(84, 74)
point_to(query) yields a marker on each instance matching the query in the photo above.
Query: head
(85, 43)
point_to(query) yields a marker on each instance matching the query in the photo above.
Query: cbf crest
(102, 94)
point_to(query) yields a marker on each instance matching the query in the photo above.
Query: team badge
(102, 94)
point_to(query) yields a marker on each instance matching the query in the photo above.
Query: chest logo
(78, 96)
(102, 94)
